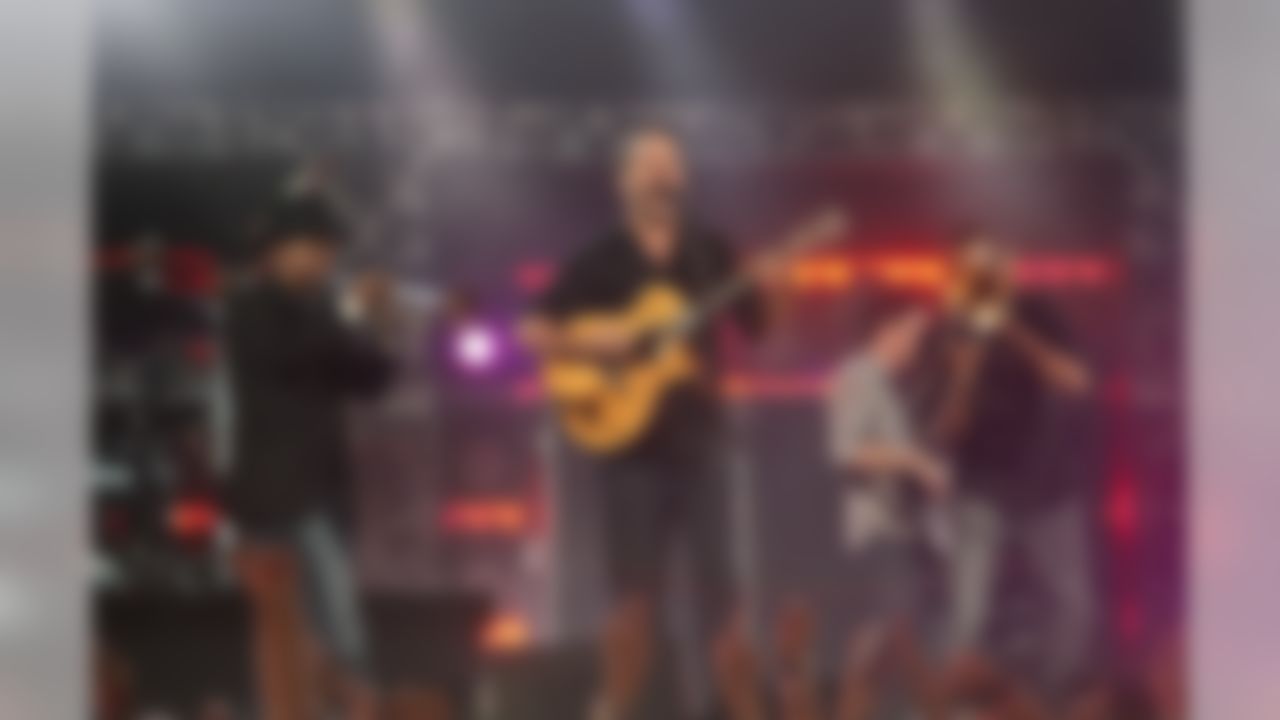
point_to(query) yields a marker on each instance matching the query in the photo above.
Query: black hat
(308, 216)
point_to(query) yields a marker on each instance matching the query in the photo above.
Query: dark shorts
(656, 504)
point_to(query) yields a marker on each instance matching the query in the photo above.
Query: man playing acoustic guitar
(669, 482)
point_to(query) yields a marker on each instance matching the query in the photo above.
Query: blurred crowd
(885, 675)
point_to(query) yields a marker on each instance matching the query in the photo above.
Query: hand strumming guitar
(606, 342)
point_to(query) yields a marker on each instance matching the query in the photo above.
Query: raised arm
(962, 361)
(1059, 367)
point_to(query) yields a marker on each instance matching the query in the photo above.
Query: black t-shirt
(1011, 449)
(608, 274)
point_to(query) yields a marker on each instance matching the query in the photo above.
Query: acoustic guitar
(606, 406)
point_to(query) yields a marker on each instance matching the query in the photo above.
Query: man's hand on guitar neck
(606, 342)
(768, 271)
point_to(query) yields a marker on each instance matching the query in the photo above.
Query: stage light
(194, 519)
(1123, 511)
(145, 24)
(1130, 619)
(191, 271)
(535, 277)
(476, 347)
(493, 517)
(506, 633)
(921, 272)
(1066, 270)
(822, 275)
(672, 45)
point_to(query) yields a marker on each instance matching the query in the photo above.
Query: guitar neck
(825, 228)
(716, 301)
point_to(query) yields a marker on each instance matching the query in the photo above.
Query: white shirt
(864, 407)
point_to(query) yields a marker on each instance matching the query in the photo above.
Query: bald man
(670, 486)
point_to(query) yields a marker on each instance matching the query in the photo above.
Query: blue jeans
(327, 586)
(1055, 542)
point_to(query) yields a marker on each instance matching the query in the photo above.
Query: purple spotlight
(475, 347)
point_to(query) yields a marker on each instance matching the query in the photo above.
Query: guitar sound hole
(587, 411)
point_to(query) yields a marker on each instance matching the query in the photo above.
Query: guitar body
(606, 408)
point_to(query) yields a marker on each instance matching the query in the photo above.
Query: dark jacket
(293, 365)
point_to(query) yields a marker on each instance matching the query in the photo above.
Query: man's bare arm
(878, 459)
(953, 414)
(1062, 370)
